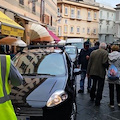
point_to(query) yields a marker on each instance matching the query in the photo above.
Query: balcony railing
(79, 17)
(72, 16)
(89, 19)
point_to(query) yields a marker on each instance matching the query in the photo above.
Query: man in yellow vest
(8, 74)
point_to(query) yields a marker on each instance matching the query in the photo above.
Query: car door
(70, 81)
(71, 87)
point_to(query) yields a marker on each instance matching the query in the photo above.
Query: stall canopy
(20, 43)
(8, 40)
(39, 33)
(12, 41)
(56, 39)
(9, 26)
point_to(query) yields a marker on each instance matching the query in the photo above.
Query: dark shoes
(97, 103)
(88, 89)
(92, 99)
(80, 91)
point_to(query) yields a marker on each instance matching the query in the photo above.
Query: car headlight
(56, 98)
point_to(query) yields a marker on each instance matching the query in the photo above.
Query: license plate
(23, 118)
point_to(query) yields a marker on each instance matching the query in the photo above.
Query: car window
(70, 50)
(78, 45)
(52, 64)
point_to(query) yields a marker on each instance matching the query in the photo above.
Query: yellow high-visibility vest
(6, 108)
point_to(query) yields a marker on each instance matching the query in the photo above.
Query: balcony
(89, 19)
(108, 19)
(79, 17)
(72, 17)
(117, 22)
(101, 18)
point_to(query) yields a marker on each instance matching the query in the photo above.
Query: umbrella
(7, 40)
(39, 33)
(20, 43)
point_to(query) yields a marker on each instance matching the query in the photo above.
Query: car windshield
(52, 64)
(70, 50)
(40, 63)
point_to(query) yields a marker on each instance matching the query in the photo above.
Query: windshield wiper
(45, 74)
(36, 74)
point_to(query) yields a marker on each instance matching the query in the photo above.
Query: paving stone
(86, 109)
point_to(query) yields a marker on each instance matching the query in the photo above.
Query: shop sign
(7, 30)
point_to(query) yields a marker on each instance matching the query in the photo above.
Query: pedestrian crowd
(95, 63)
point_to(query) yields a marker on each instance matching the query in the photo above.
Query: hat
(86, 43)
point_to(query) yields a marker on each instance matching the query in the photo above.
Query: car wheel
(74, 111)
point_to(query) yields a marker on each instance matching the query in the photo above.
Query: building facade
(77, 20)
(106, 23)
(26, 12)
(117, 23)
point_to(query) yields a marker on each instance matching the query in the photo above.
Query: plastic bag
(113, 73)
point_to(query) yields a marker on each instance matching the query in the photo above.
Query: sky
(112, 3)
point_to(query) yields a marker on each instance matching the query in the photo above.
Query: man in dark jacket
(96, 46)
(96, 69)
(83, 61)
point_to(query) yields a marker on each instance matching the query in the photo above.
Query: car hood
(37, 91)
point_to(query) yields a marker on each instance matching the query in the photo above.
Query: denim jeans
(82, 81)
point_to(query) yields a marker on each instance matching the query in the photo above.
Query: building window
(100, 14)
(88, 14)
(21, 2)
(78, 29)
(65, 29)
(66, 11)
(72, 13)
(119, 29)
(107, 15)
(58, 13)
(33, 7)
(107, 28)
(42, 10)
(107, 22)
(94, 31)
(65, 21)
(51, 21)
(71, 29)
(78, 13)
(100, 28)
(119, 15)
(83, 30)
(59, 21)
(88, 30)
(59, 31)
(95, 15)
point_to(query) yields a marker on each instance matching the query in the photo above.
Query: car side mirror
(77, 71)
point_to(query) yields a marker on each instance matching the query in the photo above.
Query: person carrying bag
(114, 74)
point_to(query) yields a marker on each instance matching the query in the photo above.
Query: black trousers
(97, 88)
(111, 93)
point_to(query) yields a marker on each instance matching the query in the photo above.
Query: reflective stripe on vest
(4, 73)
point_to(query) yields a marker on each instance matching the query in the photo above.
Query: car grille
(23, 111)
